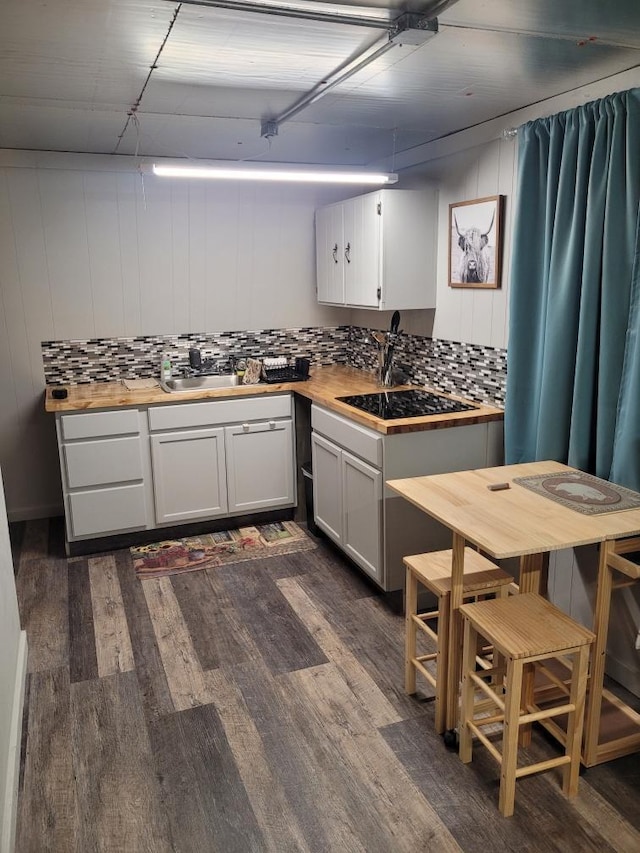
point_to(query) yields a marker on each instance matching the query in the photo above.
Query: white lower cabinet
(370, 523)
(189, 475)
(327, 486)
(206, 468)
(362, 514)
(348, 503)
(139, 469)
(105, 472)
(260, 465)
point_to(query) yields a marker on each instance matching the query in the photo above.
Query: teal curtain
(626, 445)
(572, 359)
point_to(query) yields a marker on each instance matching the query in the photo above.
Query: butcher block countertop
(323, 387)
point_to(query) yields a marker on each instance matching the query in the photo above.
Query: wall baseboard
(10, 806)
(29, 513)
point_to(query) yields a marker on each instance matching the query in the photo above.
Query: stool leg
(510, 737)
(468, 692)
(571, 772)
(602, 611)
(442, 662)
(524, 735)
(455, 631)
(411, 608)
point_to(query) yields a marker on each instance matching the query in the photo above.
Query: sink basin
(199, 383)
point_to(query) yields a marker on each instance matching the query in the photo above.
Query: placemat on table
(582, 492)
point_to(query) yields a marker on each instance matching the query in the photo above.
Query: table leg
(455, 632)
(598, 655)
(531, 569)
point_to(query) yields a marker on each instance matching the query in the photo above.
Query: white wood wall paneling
(484, 300)
(228, 246)
(198, 281)
(128, 253)
(265, 268)
(449, 303)
(67, 256)
(28, 440)
(32, 273)
(105, 268)
(180, 273)
(153, 217)
(506, 186)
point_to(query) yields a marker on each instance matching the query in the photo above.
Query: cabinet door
(329, 254)
(259, 466)
(362, 514)
(362, 255)
(189, 475)
(327, 486)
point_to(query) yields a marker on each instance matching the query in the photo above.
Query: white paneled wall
(472, 315)
(86, 251)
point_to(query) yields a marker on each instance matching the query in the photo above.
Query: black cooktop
(414, 403)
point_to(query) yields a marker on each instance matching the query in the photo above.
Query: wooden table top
(323, 387)
(515, 521)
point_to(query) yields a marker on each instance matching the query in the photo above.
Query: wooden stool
(433, 571)
(526, 629)
(620, 733)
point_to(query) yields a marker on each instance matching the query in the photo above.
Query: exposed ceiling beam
(307, 14)
(408, 29)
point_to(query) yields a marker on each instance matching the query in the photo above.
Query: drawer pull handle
(245, 427)
(272, 424)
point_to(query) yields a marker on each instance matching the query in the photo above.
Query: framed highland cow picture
(475, 242)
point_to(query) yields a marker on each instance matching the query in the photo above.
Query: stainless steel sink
(199, 383)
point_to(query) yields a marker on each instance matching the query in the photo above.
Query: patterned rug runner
(174, 556)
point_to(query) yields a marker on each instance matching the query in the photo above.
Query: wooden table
(517, 522)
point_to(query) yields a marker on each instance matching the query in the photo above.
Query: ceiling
(188, 80)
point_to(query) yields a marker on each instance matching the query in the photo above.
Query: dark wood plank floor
(256, 707)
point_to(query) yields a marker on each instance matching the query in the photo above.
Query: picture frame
(475, 242)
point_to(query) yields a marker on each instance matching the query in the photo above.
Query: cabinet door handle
(334, 252)
(347, 253)
(245, 427)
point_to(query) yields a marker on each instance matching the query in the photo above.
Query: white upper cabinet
(328, 248)
(378, 250)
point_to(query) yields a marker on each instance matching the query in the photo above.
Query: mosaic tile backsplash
(469, 370)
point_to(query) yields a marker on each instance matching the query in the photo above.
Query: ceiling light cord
(134, 109)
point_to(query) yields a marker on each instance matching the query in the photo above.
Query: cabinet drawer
(93, 424)
(361, 441)
(111, 460)
(120, 508)
(216, 412)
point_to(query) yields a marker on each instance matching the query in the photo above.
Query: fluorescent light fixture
(249, 172)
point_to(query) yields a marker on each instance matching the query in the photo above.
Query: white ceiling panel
(215, 47)
(500, 73)
(202, 79)
(616, 21)
(25, 127)
(300, 142)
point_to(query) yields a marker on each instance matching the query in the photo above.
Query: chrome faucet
(198, 365)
